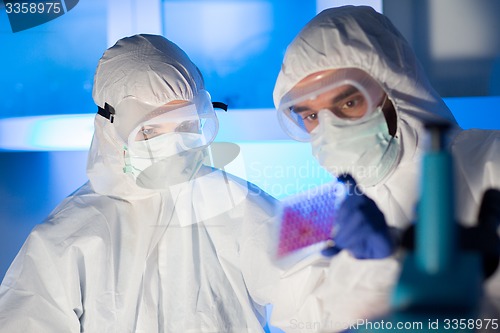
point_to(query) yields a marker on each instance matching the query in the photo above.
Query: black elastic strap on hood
(219, 105)
(108, 112)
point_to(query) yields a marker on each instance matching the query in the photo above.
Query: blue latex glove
(360, 226)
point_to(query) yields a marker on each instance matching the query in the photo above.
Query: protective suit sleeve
(356, 290)
(289, 290)
(33, 294)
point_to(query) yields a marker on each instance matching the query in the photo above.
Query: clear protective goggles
(183, 125)
(349, 93)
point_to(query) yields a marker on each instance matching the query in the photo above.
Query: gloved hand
(360, 226)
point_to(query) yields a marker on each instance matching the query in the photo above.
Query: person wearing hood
(155, 241)
(351, 85)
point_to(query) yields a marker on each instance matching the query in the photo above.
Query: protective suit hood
(151, 69)
(360, 37)
(148, 67)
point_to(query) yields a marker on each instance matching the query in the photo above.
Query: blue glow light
(47, 133)
(279, 167)
(476, 112)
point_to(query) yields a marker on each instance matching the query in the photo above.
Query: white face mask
(364, 149)
(164, 160)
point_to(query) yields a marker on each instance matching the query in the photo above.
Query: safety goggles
(349, 93)
(144, 122)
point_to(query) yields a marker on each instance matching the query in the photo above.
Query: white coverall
(358, 37)
(116, 257)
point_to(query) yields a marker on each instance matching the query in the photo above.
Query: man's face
(345, 101)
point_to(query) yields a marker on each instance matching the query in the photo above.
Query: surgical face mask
(364, 149)
(174, 170)
(165, 160)
(144, 153)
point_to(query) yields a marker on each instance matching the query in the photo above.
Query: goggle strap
(219, 105)
(108, 112)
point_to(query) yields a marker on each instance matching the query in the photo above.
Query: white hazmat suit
(187, 256)
(358, 37)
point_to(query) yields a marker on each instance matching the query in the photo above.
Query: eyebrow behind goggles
(340, 98)
(150, 131)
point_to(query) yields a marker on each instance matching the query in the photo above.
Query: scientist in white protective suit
(351, 85)
(155, 241)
